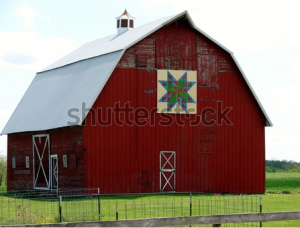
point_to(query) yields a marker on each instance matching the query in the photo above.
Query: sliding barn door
(41, 161)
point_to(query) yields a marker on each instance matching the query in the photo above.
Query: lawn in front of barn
(282, 194)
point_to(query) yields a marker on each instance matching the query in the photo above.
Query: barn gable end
(219, 158)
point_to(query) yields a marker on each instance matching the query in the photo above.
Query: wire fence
(38, 207)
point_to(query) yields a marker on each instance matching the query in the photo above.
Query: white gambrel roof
(80, 77)
(52, 94)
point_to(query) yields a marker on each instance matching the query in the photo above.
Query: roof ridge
(116, 35)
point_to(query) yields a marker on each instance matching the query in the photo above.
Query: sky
(263, 34)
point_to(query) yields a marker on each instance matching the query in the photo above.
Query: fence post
(99, 205)
(117, 213)
(59, 208)
(191, 204)
(260, 209)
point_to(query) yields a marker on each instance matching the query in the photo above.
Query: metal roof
(111, 43)
(80, 77)
(52, 94)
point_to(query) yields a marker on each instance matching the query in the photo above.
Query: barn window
(131, 24)
(118, 23)
(65, 161)
(27, 162)
(13, 162)
(124, 23)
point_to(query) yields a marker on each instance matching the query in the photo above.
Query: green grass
(279, 182)
(2, 188)
(147, 206)
(281, 202)
(36, 211)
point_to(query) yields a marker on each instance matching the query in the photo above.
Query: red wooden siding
(123, 159)
(176, 46)
(65, 141)
(19, 146)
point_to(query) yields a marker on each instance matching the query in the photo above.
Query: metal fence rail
(38, 207)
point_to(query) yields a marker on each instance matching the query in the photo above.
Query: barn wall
(65, 141)
(123, 159)
(19, 146)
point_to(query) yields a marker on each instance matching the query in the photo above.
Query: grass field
(281, 202)
(162, 206)
(281, 182)
(275, 200)
(2, 188)
(41, 210)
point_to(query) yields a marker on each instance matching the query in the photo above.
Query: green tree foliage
(3, 164)
(273, 166)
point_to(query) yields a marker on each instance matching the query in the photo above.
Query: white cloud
(282, 140)
(294, 64)
(27, 15)
(3, 145)
(4, 116)
(32, 50)
(28, 49)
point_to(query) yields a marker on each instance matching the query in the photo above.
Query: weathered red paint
(125, 159)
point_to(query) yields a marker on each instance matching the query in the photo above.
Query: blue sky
(263, 34)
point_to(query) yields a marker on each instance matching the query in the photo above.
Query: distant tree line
(3, 164)
(273, 166)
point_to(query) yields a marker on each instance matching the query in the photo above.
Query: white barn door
(41, 161)
(167, 177)
(54, 172)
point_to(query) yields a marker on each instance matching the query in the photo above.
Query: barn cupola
(124, 22)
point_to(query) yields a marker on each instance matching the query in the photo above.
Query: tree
(3, 164)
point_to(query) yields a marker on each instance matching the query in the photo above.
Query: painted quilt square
(177, 91)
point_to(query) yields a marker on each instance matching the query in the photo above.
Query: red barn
(160, 107)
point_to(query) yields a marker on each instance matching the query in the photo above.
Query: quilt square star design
(177, 91)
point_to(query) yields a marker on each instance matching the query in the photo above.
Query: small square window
(27, 162)
(65, 161)
(13, 162)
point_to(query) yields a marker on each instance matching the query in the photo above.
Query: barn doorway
(167, 177)
(41, 161)
(54, 172)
